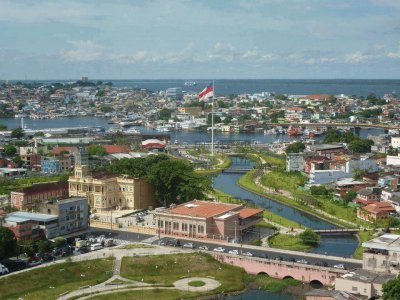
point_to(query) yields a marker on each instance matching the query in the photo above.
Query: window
(354, 288)
(175, 226)
(200, 229)
(160, 224)
(184, 227)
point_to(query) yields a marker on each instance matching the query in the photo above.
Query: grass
(39, 283)
(270, 284)
(266, 225)
(134, 246)
(150, 294)
(217, 167)
(197, 283)
(166, 269)
(363, 236)
(273, 159)
(288, 242)
(282, 180)
(9, 185)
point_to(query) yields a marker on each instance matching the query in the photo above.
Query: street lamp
(142, 288)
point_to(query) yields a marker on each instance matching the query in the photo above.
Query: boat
(131, 131)
(190, 83)
(293, 131)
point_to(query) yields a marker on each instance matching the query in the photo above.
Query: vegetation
(355, 143)
(309, 237)
(270, 284)
(134, 246)
(17, 133)
(10, 149)
(97, 150)
(296, 147)
(391, 289)
(8, 185)
(197, 283)
(363, 236)
(288, 242)
(174, 180)
(106, 108)
(166, 269)
(273, 159)
(282, 180)
(3, 127)
(160, 293)
(36, 283)
(8, 243)
(165, 114)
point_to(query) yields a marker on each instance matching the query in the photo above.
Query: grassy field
(166, 269)
(149, 294)
(282, 180)
(271, 284)
(273, 159)
(7, 185)
(49, 282)
(363, 236)
(288, 242)
(218, 167)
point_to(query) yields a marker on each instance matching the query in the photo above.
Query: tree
(296, 147)
(17, 159)
(38, 134)
(175, 181)
(17, 133)
(8, 243)
(96, 150)
(44, 246)
(350, 196)
(361, 145)
(319, 190)
(10, 149)
(3, 127)
(106, 108)
(309, 237)
(217, 119)
(165, 114)
(391, 289)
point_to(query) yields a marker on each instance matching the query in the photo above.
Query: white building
(393, 160)
(327, 176)
(395, 142)
(361, 164)
(295, 162)
(297, 113)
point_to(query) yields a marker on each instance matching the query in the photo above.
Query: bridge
(282, 269)
(337, 231)
(365, 125)
(237, 171)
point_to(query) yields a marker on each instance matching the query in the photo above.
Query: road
(314, 259)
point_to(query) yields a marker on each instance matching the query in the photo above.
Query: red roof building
(113, 149)
(375, 211)
(319, 97)
(207, 220)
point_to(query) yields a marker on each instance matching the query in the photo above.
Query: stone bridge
(282, 269)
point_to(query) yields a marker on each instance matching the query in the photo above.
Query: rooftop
(390, 242)
(26, 216)
(365, 276)
(38, 188)
(203, 208)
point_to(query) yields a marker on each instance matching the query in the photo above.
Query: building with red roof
(206, 219)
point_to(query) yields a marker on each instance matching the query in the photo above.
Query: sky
(188, 39)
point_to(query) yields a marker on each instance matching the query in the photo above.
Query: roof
(111, 149)
(248, 212)
(153, 143)
(337, 295)
(378, 207)
(26, 216)
(319, 147)
(58, 149)
(203, 208)
(318, 96)
(384, 242)
(366, 192)
(295, 108)
(365, 276)
(38, 188)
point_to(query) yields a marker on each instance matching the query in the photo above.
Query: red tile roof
(378, 207)
(203, 208)
(58, 149)
(248, 212)
(112, 149)
(44, 187)
(318, 97)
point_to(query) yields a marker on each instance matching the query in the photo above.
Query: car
(219, 249)
(234, 251)
(302, 261)
(339, 266)
(291, 259)
(3, 270)
(248, 254)
(163, 243)
(174, 243)
(263, 255)
(279, 258)
(188, 245)
(204, 247)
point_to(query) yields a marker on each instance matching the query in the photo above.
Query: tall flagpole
(212, 121)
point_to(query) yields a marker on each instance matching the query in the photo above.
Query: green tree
(44, 246)
(8, 243)
(96, 150)
(361, 145)
(296, 147)
(17, 133)
(38, 134)
(391, 289)
(350, 196)
(106, 108)
(217, 119)
(17, 159)
(10, 149)
(59, 242)
(175, 181)
(309, 237)
(165, 114)
(319, 190)
(3, 127)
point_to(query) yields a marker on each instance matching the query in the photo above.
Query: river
(261, 295)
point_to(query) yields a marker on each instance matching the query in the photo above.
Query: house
(346, 185)
(395, 142)
(375, 211)
(368, 195)
(109, 191)
(388, 181)
(50, 166)
(362, 282)
(327, 150)
(295, 162)
(297, 114)
(320, 294)
(205, 219)
(326, 176)
(29, 197)
(382, 254)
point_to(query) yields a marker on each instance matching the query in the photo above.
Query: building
(174, 93)
(326, 176)
(73, 214)
(362, 282)
(30, 197)
(382, 254)
(393, 160)
(368, 195)
(297, 114)
(105, 191)
(205, 219)
(295, 162)
(375, 211)
(327, 150)
(50, 166)
(192, 110)
(395, 142)
(320, 294)
(342, 187)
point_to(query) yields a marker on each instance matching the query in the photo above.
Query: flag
(207, 92)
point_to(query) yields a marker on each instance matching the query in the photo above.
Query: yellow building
(105, 191)
(193, 110)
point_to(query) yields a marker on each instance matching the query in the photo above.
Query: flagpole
(212, 121)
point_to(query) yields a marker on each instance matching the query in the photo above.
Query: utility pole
(111, 218)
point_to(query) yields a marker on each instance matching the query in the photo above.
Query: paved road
(262, 252)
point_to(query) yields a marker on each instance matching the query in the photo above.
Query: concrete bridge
(365, 125)
(282, 269)
(237, 171)
(337, 230)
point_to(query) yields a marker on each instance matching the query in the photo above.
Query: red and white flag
(207, 92)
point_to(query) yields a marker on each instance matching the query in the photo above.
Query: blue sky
(168, 39)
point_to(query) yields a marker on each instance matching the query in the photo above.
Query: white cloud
(355, 57)
(84, 51)
(250, 54)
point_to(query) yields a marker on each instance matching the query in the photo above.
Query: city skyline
(200, 39)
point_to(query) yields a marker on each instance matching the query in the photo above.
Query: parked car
(219, 249)
(188, 245)
(263, 255)
(94, 247)
(174, 243)
(291, 259)
(35, 263)
(302, 261)
(339, 266)
(247, 254)
(3, 270)
(235, 251)
(279, 258)
(204, 247)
